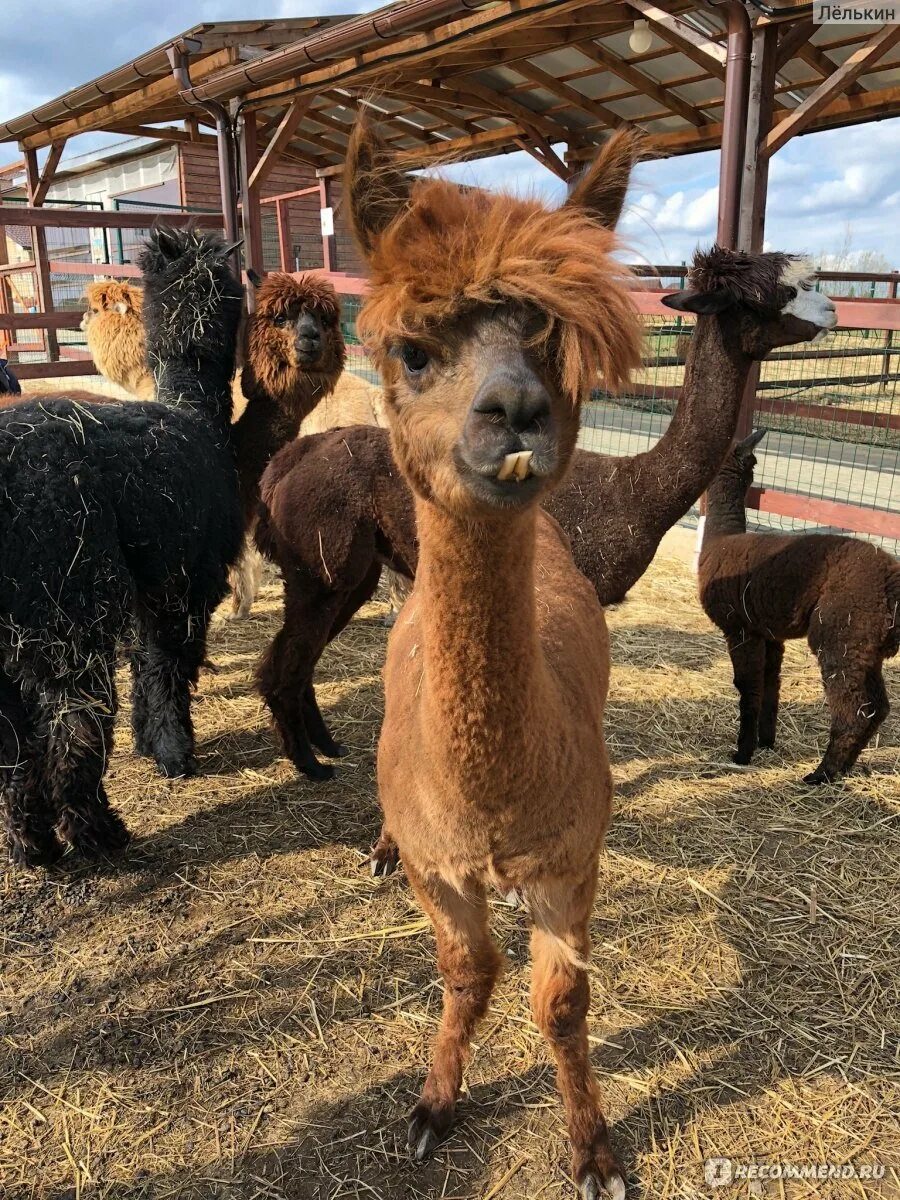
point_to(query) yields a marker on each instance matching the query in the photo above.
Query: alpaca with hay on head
(490, 318)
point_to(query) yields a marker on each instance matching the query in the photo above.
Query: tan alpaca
(490, 319)
(115, 335)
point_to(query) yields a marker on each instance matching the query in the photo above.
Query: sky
(830, 194)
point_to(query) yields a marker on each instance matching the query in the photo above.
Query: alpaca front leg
(284, 679)
(748, 657)
(768, 716)
(172, 649)
(560, 999)
(469, 963)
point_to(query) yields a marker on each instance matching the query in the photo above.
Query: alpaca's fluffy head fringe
(281, 295)
(113, 296)
(758, 280)
(450, 250)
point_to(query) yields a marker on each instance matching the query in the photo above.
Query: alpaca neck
(264, 427)
(483, 664)
(680, 465)
(725, 505)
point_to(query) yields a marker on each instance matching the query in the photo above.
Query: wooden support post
(285, 246)
(250, 214)
(755, 178)
(41, 257)
(329, 254)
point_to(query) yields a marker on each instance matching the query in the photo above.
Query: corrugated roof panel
(705, 91)
(597, 86)
(566, 61)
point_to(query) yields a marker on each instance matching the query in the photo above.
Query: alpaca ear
(602, 187)
(701, 303)
(377, 191)
(253, 278)
(749, 444)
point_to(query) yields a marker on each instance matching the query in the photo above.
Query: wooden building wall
(199, 174)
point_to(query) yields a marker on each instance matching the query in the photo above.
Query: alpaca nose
(307, 333)
(516, 399)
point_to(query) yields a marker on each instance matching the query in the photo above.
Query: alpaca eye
(279, 320)
(414, 357)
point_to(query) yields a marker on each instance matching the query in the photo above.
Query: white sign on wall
(327, 217)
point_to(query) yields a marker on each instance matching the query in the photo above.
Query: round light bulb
(640, 39)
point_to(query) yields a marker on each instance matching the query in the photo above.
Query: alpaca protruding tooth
(516, 465)
(508, 467)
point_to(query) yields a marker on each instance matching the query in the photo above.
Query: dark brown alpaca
(489, 319)
(842, 594)
(334, 511)
(614, 510)
(294, 355)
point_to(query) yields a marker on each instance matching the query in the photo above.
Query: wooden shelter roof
(455, 79)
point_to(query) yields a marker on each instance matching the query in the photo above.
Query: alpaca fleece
(115, 335)
(840, 593)
(118, 522)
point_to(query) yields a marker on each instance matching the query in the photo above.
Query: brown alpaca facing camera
(490, 318)
(114, 327)
(761, 589)
(294, 355)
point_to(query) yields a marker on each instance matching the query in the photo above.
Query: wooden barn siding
(199, 173)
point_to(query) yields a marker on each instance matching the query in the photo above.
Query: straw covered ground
(238, 1011)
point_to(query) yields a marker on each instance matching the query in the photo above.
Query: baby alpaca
(114, 326)
(840, 593)
(489, 318)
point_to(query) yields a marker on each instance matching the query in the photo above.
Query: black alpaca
(118, 523)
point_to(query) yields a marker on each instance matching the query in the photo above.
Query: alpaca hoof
(767, 743)
(742, 758)
(427, 1129)
(315, 770)
(338, 750)
(210, 666)
(177, 767)
(46, 853)
(592, 1187)
(817, 776)
(385, 857)
(102, 835)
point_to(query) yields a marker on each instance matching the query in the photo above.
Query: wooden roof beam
(168, 133)
(47, 173)
(862, 59)
(278, 143)
(573, 97)
(792, 38)
(511, 107)
(645, 84)
(541, 150)
(680, 36)
(134, 105)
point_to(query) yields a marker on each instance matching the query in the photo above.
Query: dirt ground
(238, 1011)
